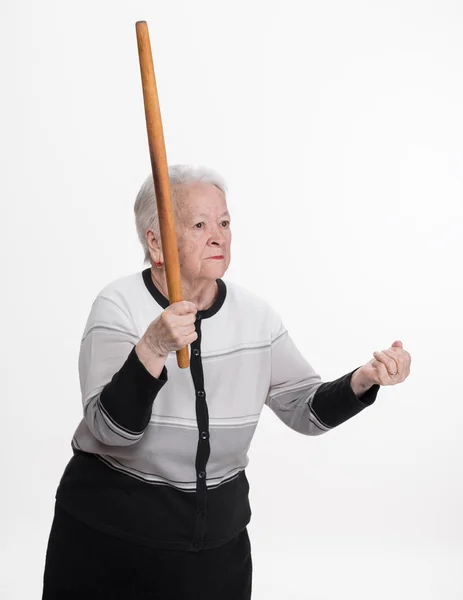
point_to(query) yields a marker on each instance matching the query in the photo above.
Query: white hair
(145, 208)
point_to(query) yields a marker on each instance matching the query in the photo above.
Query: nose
(217, 237)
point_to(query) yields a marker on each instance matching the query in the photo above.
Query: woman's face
(202, 224)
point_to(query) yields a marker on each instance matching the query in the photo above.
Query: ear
(154, 244)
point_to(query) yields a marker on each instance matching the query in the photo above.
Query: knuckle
(188, 306)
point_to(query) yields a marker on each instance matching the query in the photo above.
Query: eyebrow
(225, 214)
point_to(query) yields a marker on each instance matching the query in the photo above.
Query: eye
(199, 225)
(227, 223)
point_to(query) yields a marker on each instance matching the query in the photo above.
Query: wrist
(151, 360)
(360, 382)
(149, 350)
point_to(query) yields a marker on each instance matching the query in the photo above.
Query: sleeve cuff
(335, 401)
(128, 398)
(149, 380)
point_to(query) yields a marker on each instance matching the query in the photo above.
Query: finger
(183, 308)
(399, 358)
(185, 330)
(403, 358)
(186, 340)
(383, 374)
(184, 320)
(390, 364)
(173, 320)
(182, 336)
(191, 338)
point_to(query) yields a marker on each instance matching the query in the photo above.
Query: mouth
(215, 258)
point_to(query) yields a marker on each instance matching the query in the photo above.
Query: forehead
(197, 197)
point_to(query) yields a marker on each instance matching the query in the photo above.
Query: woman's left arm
(305, 403)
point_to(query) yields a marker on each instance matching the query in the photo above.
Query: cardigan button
(202, 474)
(196, 352)
(200, 393)
(204, 435)
(197, 544)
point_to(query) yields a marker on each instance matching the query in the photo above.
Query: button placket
(203, 448)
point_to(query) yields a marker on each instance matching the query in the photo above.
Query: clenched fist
(172, 330)
(389, 367)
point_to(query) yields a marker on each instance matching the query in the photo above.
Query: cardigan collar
(164, 302)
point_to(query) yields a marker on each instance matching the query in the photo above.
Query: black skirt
(83, 563)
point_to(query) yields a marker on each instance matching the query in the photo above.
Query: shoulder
(123, 288)
(250, 305)
(120, 295)
(245, 299)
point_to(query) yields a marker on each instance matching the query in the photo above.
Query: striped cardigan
(161, 461)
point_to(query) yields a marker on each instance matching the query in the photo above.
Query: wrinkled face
(203, 230)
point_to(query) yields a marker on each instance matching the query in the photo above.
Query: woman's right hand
(172, 330)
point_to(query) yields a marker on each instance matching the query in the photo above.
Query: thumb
(397, 344)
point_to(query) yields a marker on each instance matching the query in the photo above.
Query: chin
(215, 270)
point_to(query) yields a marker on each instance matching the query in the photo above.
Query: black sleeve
(335, 402)
(128, 398)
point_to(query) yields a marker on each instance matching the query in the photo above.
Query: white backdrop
(339, 128)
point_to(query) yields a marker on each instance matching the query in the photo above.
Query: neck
(201, 292)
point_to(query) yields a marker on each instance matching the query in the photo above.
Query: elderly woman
(154, 502)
